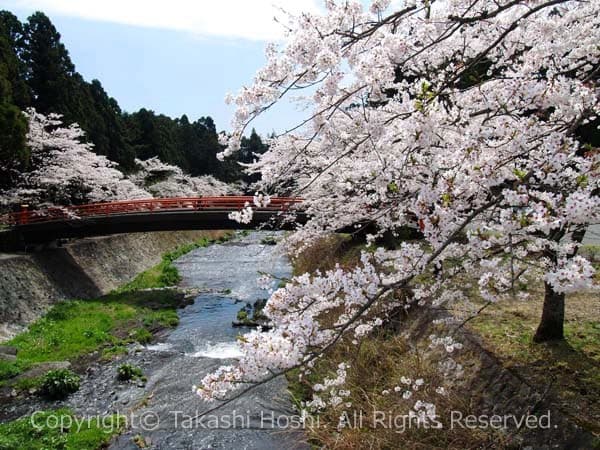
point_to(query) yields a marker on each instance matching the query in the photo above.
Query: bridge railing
(152, 205)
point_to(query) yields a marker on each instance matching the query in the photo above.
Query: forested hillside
(36, 71)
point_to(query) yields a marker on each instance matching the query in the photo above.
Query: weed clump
(58, 384)
(141, 335)
(126, 372)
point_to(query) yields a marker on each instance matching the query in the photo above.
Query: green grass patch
(165, 274)
(79, 327)
(160, 319)
(269, 240)
(112, 352)
(59, 430)
(25, 384)
(8, 369)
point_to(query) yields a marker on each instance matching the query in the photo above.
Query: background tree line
(36, 71)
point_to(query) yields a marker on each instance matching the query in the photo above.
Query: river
(159, 410)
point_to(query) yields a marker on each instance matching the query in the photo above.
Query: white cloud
(245, 19)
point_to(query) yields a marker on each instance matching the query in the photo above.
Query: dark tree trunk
(553, 316)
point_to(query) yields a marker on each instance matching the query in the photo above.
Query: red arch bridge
(32, 227)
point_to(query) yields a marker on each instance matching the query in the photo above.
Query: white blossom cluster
(261, 200)
(447, 342)
(328, 392)
(244, 215)
(571, 275)
(166, 180)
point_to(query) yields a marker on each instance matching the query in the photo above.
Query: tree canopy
(474, 121)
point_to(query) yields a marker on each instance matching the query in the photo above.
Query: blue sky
(177, 57)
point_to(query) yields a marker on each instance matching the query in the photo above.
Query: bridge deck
(99, 219)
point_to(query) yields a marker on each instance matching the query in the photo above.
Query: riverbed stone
(42, 368)
(7, 350)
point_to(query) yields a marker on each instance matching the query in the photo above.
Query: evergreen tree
(13, 125)
(250, 148)
(13, 88)
(204, 161)
(49, 67)
(59, 88)
(151, 135)
(103, 122)
(14, 154)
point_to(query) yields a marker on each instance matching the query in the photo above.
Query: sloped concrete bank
(489, 388)
(87, 268)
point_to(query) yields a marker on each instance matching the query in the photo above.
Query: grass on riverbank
(376, 366)
(165, 274)
(77, 328)
(58, 430)
(326, 252)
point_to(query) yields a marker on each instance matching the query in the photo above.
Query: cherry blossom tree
(64, 170)
(166, 180)
(475, 119)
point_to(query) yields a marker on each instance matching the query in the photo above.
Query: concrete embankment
(87, 268)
